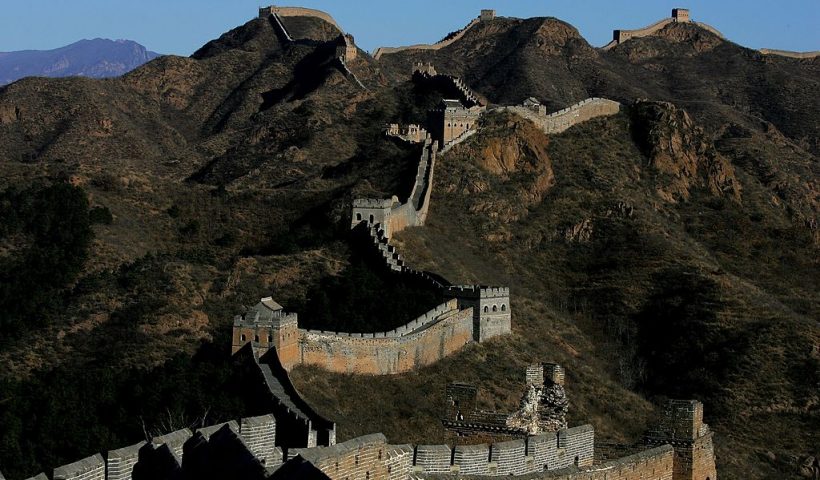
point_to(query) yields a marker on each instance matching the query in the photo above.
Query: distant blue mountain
(96, 58)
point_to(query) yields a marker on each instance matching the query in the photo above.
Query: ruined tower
(680, 15)
(682, 427)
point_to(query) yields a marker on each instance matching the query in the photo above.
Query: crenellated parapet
(679, 15)
(566, 118)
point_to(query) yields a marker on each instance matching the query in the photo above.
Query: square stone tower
(491, 309)
(487, 15)
(682, 427)
(266, 325)
(681, 15)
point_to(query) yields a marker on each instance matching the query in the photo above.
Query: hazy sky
(182, 26)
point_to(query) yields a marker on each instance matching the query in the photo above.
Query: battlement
(565, 118)
(381, 51)
(539, 374)
(274, 10)
(679, 15)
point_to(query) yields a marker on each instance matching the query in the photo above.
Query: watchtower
(451, 119)
(266, 325)
(492, 315)
(487, 15)
(680, 15)
(346, 48)
(682, 427)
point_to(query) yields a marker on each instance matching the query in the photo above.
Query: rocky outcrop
(680, 153)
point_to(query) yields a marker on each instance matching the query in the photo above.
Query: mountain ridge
(229, 175)
(94, 58)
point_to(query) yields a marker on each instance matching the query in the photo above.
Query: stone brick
(120, 463)
(509, 457)
(433, 458)
(90, 468)
(259, 434)
(472, 459)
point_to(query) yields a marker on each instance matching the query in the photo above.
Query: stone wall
(653, 464)
(370, 457)
(388, 353)
(492, 312)
(436, 46)
(679, 15)
(786, 53)
(682, 427)
(298, 12)
(91, 468)
(561, 120)
(120, 463)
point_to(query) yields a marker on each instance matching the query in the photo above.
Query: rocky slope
(668, 251)
(97, 58)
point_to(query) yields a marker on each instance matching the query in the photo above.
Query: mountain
(668, 251)
(98, 58)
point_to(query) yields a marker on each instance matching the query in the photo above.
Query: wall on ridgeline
(787, 53)
(389, 353)
(563, 119)
(298, 12)
(435, 46)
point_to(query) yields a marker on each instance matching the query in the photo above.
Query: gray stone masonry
(259, 433)
(120, 462)
(433, 458)
(472, 459)
(41, 476)
(208, 431)
(543, 449)
(576, 446)
(90, 468)
(508, 457)
(399, 461)
(174, 441)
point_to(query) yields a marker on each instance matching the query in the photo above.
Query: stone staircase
(349, 73)
(277, 22)
(388, 252)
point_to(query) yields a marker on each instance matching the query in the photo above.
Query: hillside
(97, 58)
(669, 251)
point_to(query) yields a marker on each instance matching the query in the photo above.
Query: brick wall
(563, 119)
(436, 46)
(364, 354)
(299, 12)
(91, 468)
(259, 434)
(120, 462)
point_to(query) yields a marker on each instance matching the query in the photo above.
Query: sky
(182, 26)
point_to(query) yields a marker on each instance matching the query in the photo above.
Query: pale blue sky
(182, 26)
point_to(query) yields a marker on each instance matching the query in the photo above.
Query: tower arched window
(256, 338)
(242, 338)
(358, 217)
(495, 308)
(372, 219)
(270, 338)
(486, 309)
(503, 307)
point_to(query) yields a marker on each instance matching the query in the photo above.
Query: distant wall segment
(298, 12)
(563, 119)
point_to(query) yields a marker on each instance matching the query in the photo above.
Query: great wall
(262, 447)
(295, 441)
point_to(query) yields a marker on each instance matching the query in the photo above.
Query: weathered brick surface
(509, 457)
(433, 458)
(399, 461)
(388, 355)
(472, 459)
(576, 446)
(543, 449)
(363, 458)
(259, 434)
(91, 468)
(120, 462)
